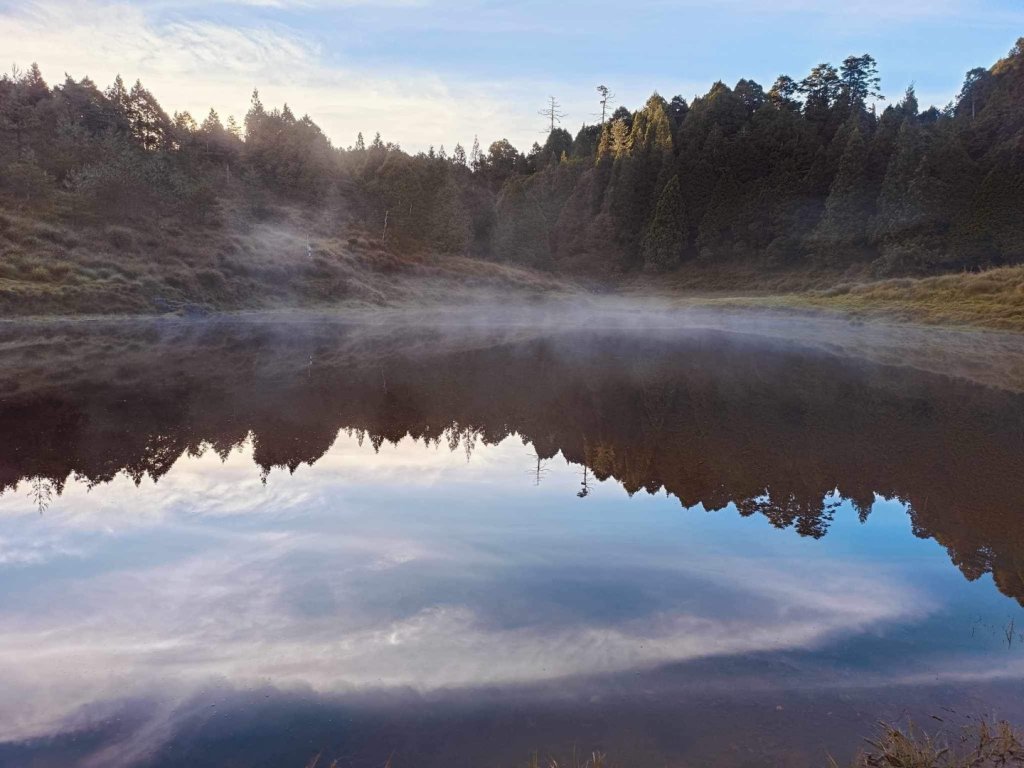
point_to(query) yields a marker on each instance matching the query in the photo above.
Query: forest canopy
(807, 172)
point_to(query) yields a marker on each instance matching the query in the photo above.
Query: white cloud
(194, 65)
(301, 596)
(225, 616)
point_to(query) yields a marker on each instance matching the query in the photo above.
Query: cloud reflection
(382, 570)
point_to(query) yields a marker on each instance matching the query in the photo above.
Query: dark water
(252, 544)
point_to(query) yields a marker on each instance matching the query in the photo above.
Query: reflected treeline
(712, 418)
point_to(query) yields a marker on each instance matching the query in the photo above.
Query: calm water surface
(244, 543)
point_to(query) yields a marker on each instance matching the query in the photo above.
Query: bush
(121, 238)
(211, 280)
(198, 202)
(27, 182)
(900, 259)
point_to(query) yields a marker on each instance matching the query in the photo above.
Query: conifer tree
(783, 94)
(677, 109)
(450, 224)
(149, 124)
(475, 155)
(859, 81)
(841, 235)
(664, 239)
(894, 214)
(119, 105)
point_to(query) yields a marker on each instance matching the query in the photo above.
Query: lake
(455, 540)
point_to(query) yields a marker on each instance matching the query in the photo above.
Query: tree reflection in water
(712, 418)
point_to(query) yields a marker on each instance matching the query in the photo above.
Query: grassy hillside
(52, 263)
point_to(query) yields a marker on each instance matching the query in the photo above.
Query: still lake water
(252, 543)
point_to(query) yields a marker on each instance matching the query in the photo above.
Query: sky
(437, 72)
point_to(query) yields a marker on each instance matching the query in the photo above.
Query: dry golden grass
(737, 278)
(991, 299)
(984, 745)
(981, 745)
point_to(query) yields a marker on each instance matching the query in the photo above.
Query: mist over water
(467, 535)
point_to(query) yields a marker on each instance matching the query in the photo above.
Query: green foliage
(665, 236)
(842, 234)
(558, 143)
(528, 212)
(501, 162)
(451, 226)
(121, 183)
(895, 214)
(26, 182)
(859, 81)
(287, 154)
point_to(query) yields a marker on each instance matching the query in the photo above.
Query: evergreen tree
(664, 239)
(842, 234)
(584, 146)
(254, 118)
(450, 225)
(751, 94)
(149, 124)
(859, 81)
(821, 88)
(972, 93)
(677, 109)
(475, 155)
(909, 106)
(894, 213)
(32, 86)
(558, 142)
(119, 103)
(995, 229)
(783, 94)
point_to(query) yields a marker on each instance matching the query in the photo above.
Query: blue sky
(437, 72)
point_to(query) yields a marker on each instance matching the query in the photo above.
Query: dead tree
(584, 490)
(540, 469)
(607, 97)
(553, 112)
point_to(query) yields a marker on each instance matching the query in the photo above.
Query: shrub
(211, 280)
(27, 182)
(121, 238)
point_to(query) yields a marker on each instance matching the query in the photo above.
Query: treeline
(117, 154)
(806, 173)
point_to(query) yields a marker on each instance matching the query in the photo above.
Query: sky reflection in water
(432, 573)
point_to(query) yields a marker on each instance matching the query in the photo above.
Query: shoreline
(984, 356)
(991, 300)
